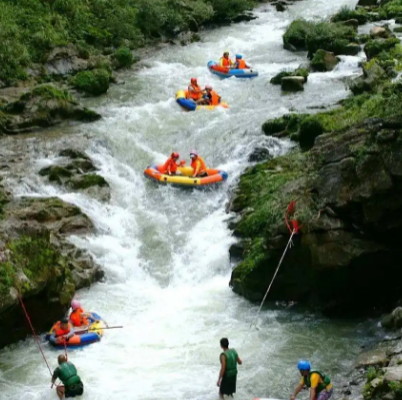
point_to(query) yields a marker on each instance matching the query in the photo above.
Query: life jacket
(60, 332)
(241, 64)
(322, 385)
(231, 362)
(196, 162)
(192, 94)
(214, 99)
(77, 319)
(171, 165)
(68, 374)
(225, 62)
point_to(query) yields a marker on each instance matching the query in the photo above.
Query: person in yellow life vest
(240, 63)
(225, 61)
(194, 90)
(198, 165)
(212, 98)
(320, 385)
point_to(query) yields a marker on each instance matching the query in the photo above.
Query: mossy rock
(56, 173)
(296, 34)
(94, 82)
(277, 79)
(324, 61)
(310, 128)
(375, 47)
(73, 154)
(87, 181)
(273, 126)
(346, 14)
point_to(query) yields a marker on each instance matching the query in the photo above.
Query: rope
(34, 333)
(273, 278)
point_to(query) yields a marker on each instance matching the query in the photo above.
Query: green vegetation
(346, 14)
(123, 57)
(393, 9)
(374, 47)
(277, 79)
(48, 92)
(312, 36)
(95, 82)
(29, 29)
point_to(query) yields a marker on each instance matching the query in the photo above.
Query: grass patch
(346, 14)
(95, 82)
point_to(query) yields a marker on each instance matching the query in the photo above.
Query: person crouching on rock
(67, 373)
(228, 373)
(62, 331)
(320, 385)
(78, 317)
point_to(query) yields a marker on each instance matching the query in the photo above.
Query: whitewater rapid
(165, 250)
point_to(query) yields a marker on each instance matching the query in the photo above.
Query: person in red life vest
(240, 63)
(62, 331)
(198, 165)
(170, 166)
(225, 61)
(211, 97)
(78, 317)
(194, 90)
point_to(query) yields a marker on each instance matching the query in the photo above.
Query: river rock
(292, 83)
(350, 22)
(393, 374)
(373, 75)
(259, 154)
(43, 106)
(397, 317)
(356, 186)
(281, 6)
(365, 3)
(378, 32)
(64, 60)
(246, 17)
(324, 61)
(376, 357)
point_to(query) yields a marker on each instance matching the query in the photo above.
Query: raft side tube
(225, 72)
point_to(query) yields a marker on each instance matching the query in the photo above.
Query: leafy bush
(345, 14)
(296, 34)
(375, 47)
(94, 82)
(123, 57)
(310, 128)
(392, 9)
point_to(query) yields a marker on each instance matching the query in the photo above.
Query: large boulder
(64, 60)
(354, 177)
(324, 61)
(259, 154)
(373, 75)
(43, 106)
(380, 32)
(292, 83)
(365, 3)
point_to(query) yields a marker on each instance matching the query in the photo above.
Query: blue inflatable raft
(224, 72)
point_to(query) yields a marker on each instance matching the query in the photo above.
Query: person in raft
(211, 97)
(170, 166)
(194, 91)
(198, 165)
(228, 373)
(225, 61)
(62, 331)
(320, 385)
(78, 317)
(67, 373)
(240, 63)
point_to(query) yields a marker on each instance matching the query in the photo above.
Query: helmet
(75, 304)
(208, 87)
(239, 56)
(193, 80)
(175, 155)
(193, 153)
(303, 365)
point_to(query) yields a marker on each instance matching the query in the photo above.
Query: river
(165, 250)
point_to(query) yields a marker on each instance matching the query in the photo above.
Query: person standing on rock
(67, 373)
(228, 373)
(320, 385)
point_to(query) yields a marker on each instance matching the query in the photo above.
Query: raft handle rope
(34, 333)
(273, 278)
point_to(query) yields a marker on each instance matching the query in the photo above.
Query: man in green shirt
(228, 373)
(67, 373)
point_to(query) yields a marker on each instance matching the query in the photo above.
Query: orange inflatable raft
(184, 176)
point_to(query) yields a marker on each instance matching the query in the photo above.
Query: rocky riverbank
(345, 179)
(37, 260)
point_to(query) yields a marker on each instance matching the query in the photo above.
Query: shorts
(74, 390)
(325, 394)
(228, 385)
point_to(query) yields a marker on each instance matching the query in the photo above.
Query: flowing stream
(165, 250)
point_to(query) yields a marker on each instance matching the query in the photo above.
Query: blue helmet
(303, 365)
(239, 56)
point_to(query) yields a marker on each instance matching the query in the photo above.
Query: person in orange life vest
(212, 98)
(194, 90)
(198, 165)
(240, 63)
(78, 317)
(225, 61)
(62, 330)
(170, 166)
